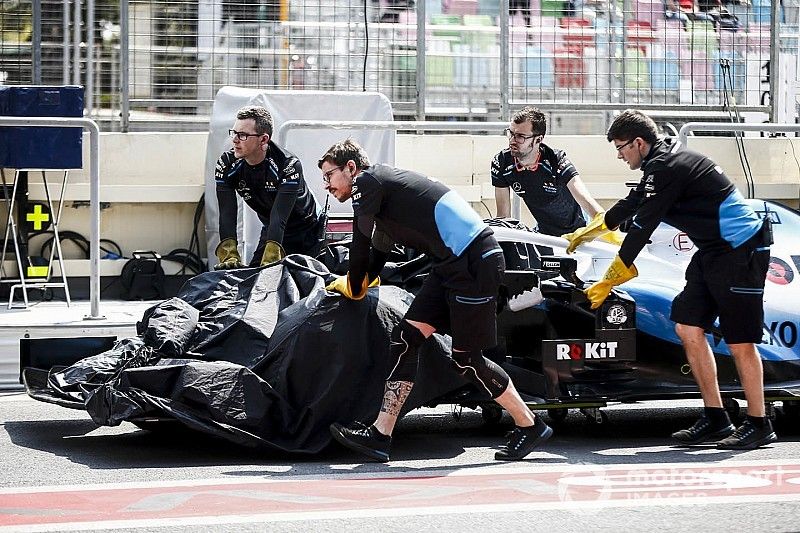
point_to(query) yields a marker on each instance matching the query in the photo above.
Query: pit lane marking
(585, 488)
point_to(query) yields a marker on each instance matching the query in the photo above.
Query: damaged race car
(267, 357)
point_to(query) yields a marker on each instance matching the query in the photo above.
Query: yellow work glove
(342, 286)
(273, 252)
(614, 237)
(617, 274)
(594, 229)
(228, 255)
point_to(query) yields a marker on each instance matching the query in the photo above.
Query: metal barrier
(283, 129)
(94, 194)
(683, 134)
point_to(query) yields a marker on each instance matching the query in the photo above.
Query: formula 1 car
(562, 355)
(266, 356)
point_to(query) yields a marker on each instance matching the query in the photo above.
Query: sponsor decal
(781, 334)
(682, 242)
(549, 187)
(586, 350)
(616, 315)
(551, 264)
(779, 273)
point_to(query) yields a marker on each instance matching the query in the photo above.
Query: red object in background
(340, 226)
(570, 69)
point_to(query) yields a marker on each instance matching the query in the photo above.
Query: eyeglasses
(621, 146)
(242, 136)
(520, 138)
(326, 176)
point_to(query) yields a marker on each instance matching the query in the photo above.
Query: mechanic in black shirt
(270, 181)
(459, 296)
(542, 176)
(725, 277)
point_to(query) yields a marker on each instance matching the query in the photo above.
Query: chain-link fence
(150, 64)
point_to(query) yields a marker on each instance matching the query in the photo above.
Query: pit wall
(151, 182)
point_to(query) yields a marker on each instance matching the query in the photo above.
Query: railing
(686, 129)
(411, 125)
(94, 194)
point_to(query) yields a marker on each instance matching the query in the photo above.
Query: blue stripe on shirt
(457, 222)
(737, 220)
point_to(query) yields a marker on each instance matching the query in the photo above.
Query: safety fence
(155, 64)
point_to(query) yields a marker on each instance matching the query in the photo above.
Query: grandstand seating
(538, 68)
(637, 75)
(461, 7)
(569, 68)
(553, 8)
(560, 52)
(650, 11)
(664, 71)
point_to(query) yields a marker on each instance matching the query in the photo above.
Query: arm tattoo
(394, 396)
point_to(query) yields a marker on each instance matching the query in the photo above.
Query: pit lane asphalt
(46, 445)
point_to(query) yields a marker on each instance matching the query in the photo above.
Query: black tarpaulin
(257, 356)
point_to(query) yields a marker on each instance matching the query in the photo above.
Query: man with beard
(459, 296)
(542, 176)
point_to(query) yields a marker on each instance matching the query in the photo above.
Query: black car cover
(258, 356)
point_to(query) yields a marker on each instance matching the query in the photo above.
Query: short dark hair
(631, 124)
(260, 115)
(342, 152)
(534, 116)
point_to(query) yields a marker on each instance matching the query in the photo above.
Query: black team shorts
(459, 296)
(728, 284)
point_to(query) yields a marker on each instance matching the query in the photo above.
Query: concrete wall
(151, 182)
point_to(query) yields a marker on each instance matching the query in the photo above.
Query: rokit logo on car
(589, 350)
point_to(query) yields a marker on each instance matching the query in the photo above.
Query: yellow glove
(595, 228)
(342, 286)
(273, 252)
(617, 274)
(614, 237)
(228, 255)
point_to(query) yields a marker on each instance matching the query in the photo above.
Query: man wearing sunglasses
(459, 296)
(270, 180)
(724, 279)
(542, 176)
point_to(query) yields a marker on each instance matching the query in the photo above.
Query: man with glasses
(459, 296)
(724, 279)
(542, 176)
(270, 180)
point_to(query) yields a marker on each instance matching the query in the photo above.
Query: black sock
(757, 421)
(717, 415)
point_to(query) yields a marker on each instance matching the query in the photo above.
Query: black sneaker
(703, 431)
(366, 440)
(523, 440)
(748, 436)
